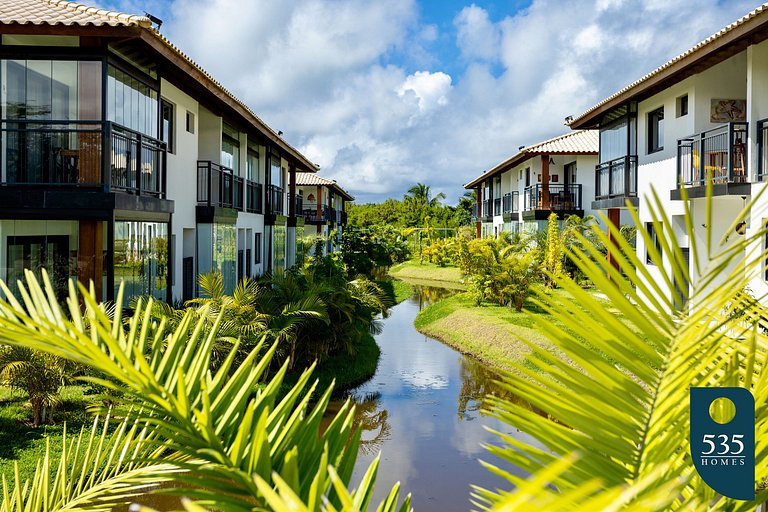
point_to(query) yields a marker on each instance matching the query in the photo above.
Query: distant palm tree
(420, 195)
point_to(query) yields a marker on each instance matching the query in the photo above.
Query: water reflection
(428, 295)
(424, 410)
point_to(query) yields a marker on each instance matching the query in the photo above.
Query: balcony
(253, 197)
(274, 204)
(541, 199)
(298, 204)
(85, 155)
(311, 215)
(510, 205)
(217, 186)
(615, 182)
(717, 157)
(486, 216)
(762, 150)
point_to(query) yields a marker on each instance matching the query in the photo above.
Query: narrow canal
(423, 411)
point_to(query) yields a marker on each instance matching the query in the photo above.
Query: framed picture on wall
(539, 178)
(726, 111)
(555, 178)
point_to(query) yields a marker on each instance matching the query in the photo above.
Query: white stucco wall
(182, 176)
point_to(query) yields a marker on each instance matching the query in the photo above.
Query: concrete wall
(182, 178)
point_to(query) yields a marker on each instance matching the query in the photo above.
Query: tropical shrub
(221, 445)
(367, 251)
(39, 374)
(620, 398)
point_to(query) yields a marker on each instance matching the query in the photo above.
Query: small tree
(553, 260)
(41, 375)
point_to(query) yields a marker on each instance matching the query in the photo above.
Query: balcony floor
(719, 189)
(543, 214)
(615, 202)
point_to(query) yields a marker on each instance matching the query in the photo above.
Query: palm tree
(227, 440)
(620, 406)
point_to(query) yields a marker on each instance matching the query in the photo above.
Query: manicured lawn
(21, 442)
(428, 273)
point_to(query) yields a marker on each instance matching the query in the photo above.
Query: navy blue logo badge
(723, 440)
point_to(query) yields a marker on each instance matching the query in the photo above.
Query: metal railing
(298, 204)
(253, 197)
(552, 197)
(95, 154)
(274, 204)
(311, 214)
(616, 178)
(217, 186)
(762, 150)
(511, 202)
(486, 208)
(717, 156)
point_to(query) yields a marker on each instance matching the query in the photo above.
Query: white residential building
(699, 118)
(324, 207)
(557, 175)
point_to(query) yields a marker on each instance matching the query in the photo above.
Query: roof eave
(681, 67)
(178, 59)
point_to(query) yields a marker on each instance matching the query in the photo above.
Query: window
(252, 165)
(190, 122)
(654, 239)
(656, 130)
(230, 149)
(257, 248)
(682, 106)
(131, 102)
(167, 125)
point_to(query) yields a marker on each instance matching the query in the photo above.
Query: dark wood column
(479, 199)
(291, 194)
(614, 217)
(90, 254)
(545, 181)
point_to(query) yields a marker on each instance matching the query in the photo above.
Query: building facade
(121, 160)
(698, 120)
(557, 175)
(324, 209)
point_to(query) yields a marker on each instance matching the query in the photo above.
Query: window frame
(655, 130)
(654, 236)
(171, 142)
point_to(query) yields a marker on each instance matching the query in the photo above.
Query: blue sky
(384, 94)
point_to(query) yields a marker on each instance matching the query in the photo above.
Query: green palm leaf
(622, 404)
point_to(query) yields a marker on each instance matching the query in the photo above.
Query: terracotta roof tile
(580, 142)
(63, 12)
(308, 179)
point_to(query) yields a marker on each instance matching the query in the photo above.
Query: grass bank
(396, 289)
(428, 274)
(22, 443)
(493, 334)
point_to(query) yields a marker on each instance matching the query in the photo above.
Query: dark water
(423, 411)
